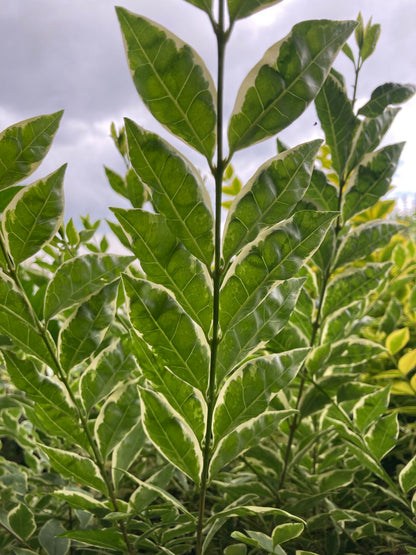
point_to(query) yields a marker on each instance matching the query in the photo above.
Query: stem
(50, 345)
(357, 72)
(218, 173)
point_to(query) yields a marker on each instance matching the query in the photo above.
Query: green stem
(357, 72)
(218, 173)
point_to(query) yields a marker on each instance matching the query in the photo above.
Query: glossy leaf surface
(382, 435)
(238, 9)
(167, 262)
(171, 435)
(169, 330)
(79, 278)
(383, 96)
(321, 192)
(371, 180)
(172, 80)
(83, 332)
(276, 254)
(269, 197)
(34, 216)
(177, 190)
(24, 145)
(280, 87)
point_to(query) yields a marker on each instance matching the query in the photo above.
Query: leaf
(178, 191)
(285, 532)
(348, 52)
(22, 521)
(269, 197)
(50, 540)
(52, 408)
(384, 95)
(367, 136)
(365, 239)
(238, 9)
(247, 392)
(280, 87)
(170, 434)
(397, 340)
(339, 323)
(79, 278)
(169, 330)
(167, 262)
(143, 496)
(246, 435)
(71, 465)
(84, 330)
(127, 451)
(110, 368)
(247, 334)
(370, 407)
(407, 476)
(407, 362)
(337, 118)
(17, 322)
(7, 195)
(24, 145)
(205, 5)
(371, 180)
(382, 435)
(352, 285)
(116, 418)
(34, 216)
(321, 192)
(81, 500)
(371, 37)
(106, 538)
(172, 80)
(276, 254)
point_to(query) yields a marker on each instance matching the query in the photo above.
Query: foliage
(213, 388)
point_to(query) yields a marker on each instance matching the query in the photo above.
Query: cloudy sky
(68, 54)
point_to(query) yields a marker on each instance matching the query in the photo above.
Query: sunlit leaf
(397, 340)
(269, 197)
(172, 80)
(382, 435)
(177, 190)
(371, 407)
(280, 87)
(24, 145)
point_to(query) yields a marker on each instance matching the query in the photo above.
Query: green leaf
(371, 180)
(118, 415)
(141, 498)
(50, 540)
(247, 333)
(205, 5)
(269, 197)
(238, 9)
(397, 340)
(321, 192)
(81, 500)
(337, 118)
(246, 435)
(339, 323)
(407, 476)
(84, 330)
(370, 407)
(247, 392)
(106, 538)
(116, 182)
(34, 216)
(280, 87)
(71, 465)
(22, 521)
(276, 254)
(17, 322)
(367, 136)
(365, 239)
(371, 36)
(7, 195)
(382, 435)
(127, 451)
(172, 81)
(167, 262)
(110, 368)
(384, 95)
(52, 408)
(171, 435)
(352, 285)
(79, 278)
(178, 191)
(348, 52)
(169, 330)
(24, 145)
(285, 532)
(236, 549)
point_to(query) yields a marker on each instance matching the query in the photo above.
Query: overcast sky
(68, 54)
